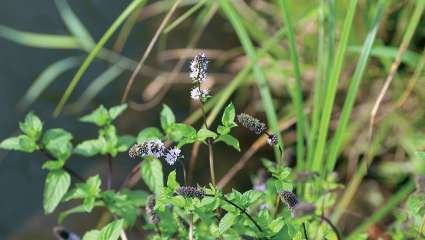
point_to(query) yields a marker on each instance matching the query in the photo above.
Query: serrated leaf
(228, 118)
(53, 165)
(87, 191)
(58, 142)
(56, 185)
(21, 143)
(114, 112)
(167, 118)
(181, 132)
(204, 133)
(277, 224)
(229, 140)
(226, 222)
(151, 170)
(222, 130)
(90, 148)
(99, 116)
(149, 133)
(172, 181)
(112, 231)
(32, 126)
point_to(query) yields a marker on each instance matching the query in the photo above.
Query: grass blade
(384, 52)
(331, 88)
(108, 34)
(353, 89)
(184, 16)
(298, 96)
(46, 77)
(74, 25)
(259, 75)
(39, 40)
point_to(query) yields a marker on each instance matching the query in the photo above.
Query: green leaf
(228, 118)
(226, 222)
(100, 117)
(90, 148)
(229, 140)
(32, 126)
(149, 133)
(182, 133)
(87, 191)
(167, 118)
(21, 143)
(125, 142)
(119, 205)
(172, 181)
(420, 155)
(204, 133)
(56, 185)
(222, 130)
(151, 171)
(53, 165)
(277, 224)
(92, 235)
(58, 142)
(114, 112)
(112, 231)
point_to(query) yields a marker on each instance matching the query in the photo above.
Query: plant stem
(305, 231)
(240, 209)
(66, 168)
(210, 149)
(109, 176)
(332, 226)
(190, 226)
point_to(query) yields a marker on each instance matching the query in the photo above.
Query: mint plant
(283, 203)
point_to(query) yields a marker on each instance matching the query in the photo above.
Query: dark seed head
(289, 199)
(152, 216)
(191, 192)
(272, 139)
(199, 67)
(253, 124)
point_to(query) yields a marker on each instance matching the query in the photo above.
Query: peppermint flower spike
(154, 148)
(199, 67)
(153, 217)
(272, 139)
(252, 123)
(191, 192)
(199, 94)
(172, 155)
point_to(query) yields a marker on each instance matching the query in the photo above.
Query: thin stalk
(260, 78)
(332, 226)
(148, 50)
(407, 37)
(298, 95)
(191, 226)
(210, 149)
(66, 168)
(331, 88)
(184, 16)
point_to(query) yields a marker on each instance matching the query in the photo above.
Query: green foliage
(151, 171)
(56, 186)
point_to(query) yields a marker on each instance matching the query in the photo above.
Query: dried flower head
(191, 192)
(152, 216)
(154, 148)
(199, 67)
(172, 155)
(253, 124)
(420, 183)
(199, 94)
(272, 139)
(289, 198)
(303, 209)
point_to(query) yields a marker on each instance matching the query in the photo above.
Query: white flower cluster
(155, 148)
(198, 73)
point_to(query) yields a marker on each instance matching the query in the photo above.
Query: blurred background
(34, 78)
